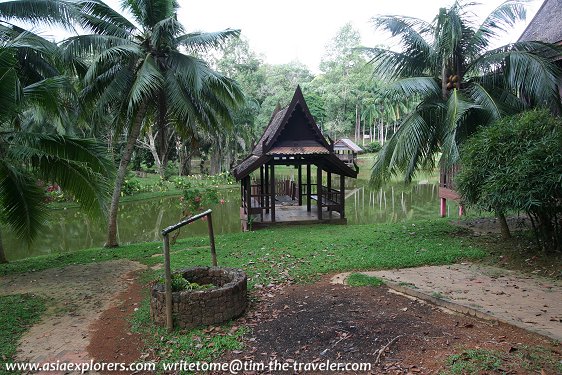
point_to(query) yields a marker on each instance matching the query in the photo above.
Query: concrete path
(528, 302)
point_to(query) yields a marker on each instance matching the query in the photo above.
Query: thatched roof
(292, 131)
(546, 26)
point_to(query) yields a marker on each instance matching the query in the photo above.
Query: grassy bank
(151, 186)
(299, 253)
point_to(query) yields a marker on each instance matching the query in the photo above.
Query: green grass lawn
(300, 254)
(17, 314)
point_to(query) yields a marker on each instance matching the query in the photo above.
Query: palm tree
(457, 81)
(33, 92)
(144, 70)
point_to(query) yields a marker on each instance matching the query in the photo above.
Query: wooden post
(319, 191)
(272, 192)
(329, 186)
(342, 196)
(168, 276)
(308, 187)
(299, 182)
(461, 210)
(266, 189)
(248, 195)
(261, 187)
(212, 239)
(443, 208)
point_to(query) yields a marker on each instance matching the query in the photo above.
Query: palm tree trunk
(2, 254)
(503, 225)
(121, 172)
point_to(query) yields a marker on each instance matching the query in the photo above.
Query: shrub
(516, 164)
(195, 199)
(131, 186)
(372, 147)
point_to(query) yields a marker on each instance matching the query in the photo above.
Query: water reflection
(393, 204)
(141, 221)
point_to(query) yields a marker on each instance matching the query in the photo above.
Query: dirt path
(532, 303)
(76, 297)
(324, 321)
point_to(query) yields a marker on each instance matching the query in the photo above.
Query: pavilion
(292, 139)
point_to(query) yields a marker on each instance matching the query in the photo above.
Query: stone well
(192, 308)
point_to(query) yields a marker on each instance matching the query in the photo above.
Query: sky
(299, 30)
(291, 30)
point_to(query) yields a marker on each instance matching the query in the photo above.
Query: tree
(145, 71)
(279, 87)
(516, 164)
(343, 84)
(458, 82)
(34, 92)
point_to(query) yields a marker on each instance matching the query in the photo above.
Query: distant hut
(292, 139)
(347, 150)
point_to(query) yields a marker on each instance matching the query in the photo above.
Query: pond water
(70, 229)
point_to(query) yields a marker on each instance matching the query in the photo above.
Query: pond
(139, 221)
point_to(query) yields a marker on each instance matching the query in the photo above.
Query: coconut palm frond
(49, 12)
(500, 21)
(99, 18)
(147, 82)
(200, 41)
(22, 201)
(424, 86)
(391, 65)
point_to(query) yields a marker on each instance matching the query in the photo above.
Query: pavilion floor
(295, 215)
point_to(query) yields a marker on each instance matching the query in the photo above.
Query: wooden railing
(447, 176)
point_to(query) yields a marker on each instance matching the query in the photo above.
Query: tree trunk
(3, 259)
(120, 178)
(503, 225)
(153, 150)
(215, 161)
(162, 136)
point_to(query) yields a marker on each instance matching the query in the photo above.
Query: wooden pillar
(308, 187)
(319, 191)
(299, 182)
(248, 194)
(329, 186)
(443, 208)
(342, 196)
(242, 193)
(261, 200)
(266, 185)
(272, 192)
(168, 286)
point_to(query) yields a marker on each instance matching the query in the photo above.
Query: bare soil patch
(111, 337)
(491, 225)
(323, 321)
